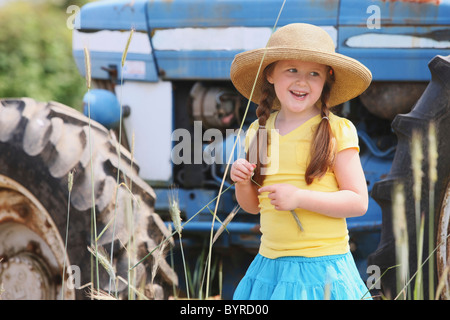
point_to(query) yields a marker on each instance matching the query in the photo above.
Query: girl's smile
(298, 85)
(301, 95)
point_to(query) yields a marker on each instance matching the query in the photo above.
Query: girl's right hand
(242, 171)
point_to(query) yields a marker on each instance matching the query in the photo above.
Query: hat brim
(351, 77)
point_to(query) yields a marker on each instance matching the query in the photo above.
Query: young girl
(318, 175)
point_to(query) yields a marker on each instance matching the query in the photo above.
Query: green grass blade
(69, 187)
(87, 61)
(418, 286)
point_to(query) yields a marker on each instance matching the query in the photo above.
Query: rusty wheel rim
(443, 249)
(31, 249)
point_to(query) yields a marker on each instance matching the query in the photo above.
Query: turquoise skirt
(333, 277)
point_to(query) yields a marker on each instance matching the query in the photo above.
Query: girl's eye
(292, 70)
(314, 74)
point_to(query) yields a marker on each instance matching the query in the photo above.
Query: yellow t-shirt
(281, 235)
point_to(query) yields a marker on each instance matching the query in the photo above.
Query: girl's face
(298, 84)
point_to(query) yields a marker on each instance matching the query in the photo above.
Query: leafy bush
(36, 53)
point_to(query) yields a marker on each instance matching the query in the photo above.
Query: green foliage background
(36, 52)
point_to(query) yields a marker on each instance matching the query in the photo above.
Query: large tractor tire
(433, 106)
(40, 144)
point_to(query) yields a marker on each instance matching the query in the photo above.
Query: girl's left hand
(283, 196)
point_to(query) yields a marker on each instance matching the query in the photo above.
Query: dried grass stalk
(87, 64)
(401, 235)
(125, 52)
(416, 163)
(432, 176)
(225, 223)
(102, 257)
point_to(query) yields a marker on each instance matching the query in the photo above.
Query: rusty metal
(435, 2)
(31, 247)
(443, 241)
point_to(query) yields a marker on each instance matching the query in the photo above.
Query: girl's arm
(245, 190)
(247, 196)
(350, 201)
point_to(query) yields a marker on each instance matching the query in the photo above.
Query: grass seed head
(225, 223)
(400, 231)
(70, 181)
(432, 153)
(87, 64)
(416, 162)
(104, 261)
(174, 209)
(124, 55)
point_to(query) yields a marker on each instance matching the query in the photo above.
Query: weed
(175, 212)
(69, 187)
(87, 61)
(400, 229)
(432, 175)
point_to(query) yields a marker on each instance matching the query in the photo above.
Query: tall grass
(404, 280)
(175, 214)
(401, 237)
(69, 188)
(156, 262)
(118, 146)
(131, 246)
(196, 276)
(94, 249)
(168, 238)
(400, 226)
(416, 164)
(232, 153)
(87, 62)
(129, 205)
(432, 174)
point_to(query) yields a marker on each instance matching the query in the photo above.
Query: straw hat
(300, 41)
